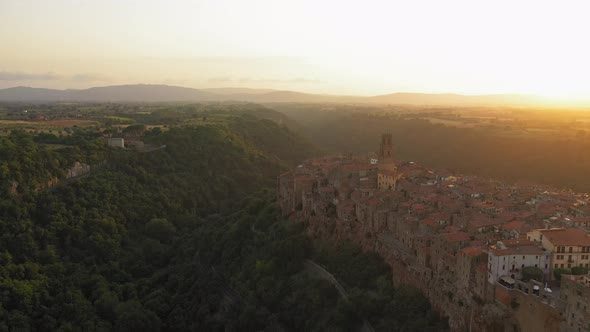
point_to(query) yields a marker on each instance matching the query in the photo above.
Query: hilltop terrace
(454, 233)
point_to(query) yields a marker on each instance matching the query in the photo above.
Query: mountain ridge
(169, 93)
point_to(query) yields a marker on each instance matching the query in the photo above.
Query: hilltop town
(490, 256)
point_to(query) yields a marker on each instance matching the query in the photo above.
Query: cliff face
(441, 292)
(418, 228)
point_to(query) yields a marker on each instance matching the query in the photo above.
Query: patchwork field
(51, 123)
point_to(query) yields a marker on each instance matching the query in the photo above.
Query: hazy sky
(342, 47)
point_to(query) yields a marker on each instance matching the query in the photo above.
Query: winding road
(319, 271)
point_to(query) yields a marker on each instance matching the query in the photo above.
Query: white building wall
(502, 265)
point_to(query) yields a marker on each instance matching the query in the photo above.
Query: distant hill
(233, 91)
(293, 97)
(453, 99)
(23, 93)
(166, 93)
(161, 93)
(115, 93)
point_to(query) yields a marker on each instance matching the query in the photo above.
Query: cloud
(22, 76)
(304, 80)
(278, 81)
(222, 79)
(86, 77)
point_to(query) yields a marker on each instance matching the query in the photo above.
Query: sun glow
(341, 47)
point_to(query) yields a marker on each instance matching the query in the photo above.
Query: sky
(320, 46)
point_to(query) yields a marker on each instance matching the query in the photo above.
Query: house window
(523, 257)
(571, 249)
(556, 266)
(546, 265)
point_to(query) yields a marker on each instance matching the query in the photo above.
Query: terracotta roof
(429, 222)
(419, 207)
(482, 221)
(455, 237)
(439, 216)
(388, 172)
(357, 167)
(373, 201)
(425, 250)
(513, 225)
(507, 215)
(472, 251)
(452, 229)
(516, 242)
(526, 214)
(566, 237)
(517, 250)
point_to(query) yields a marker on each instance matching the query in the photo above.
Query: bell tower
(386, 148)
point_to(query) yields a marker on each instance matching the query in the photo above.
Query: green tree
(559, 271)
(160, 229)
(531, 272)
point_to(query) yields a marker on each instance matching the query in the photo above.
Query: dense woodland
(184, 238)
(536, 146)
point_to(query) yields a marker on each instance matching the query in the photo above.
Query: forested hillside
(183, 238)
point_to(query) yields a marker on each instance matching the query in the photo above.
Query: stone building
(509, 257)
(575, 292)
(116, 142)
(570, 247)
(386, 179)
(469, 260)
(386, 147)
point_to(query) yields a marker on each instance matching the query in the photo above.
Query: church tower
(386, 148)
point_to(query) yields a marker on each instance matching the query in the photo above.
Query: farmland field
(51, 123)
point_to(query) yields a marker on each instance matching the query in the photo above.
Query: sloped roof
(567, 237)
